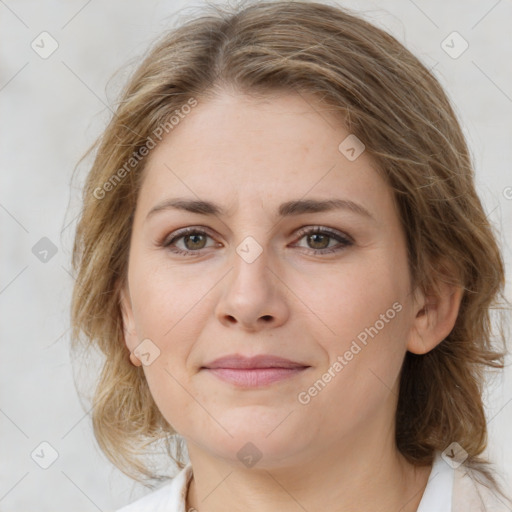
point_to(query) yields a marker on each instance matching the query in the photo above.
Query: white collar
(437, 496)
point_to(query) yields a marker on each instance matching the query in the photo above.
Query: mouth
(256, 371)
(254, 377)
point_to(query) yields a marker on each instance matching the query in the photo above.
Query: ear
(130, 334)
(436, 313)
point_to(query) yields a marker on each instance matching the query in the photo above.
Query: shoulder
(171, 497)
(473, 493)
(460, 488)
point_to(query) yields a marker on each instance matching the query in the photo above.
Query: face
(271, 272)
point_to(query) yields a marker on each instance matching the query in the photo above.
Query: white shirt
(448, 490)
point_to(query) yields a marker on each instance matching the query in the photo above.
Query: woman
(283, 258)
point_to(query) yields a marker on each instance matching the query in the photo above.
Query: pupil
(191, 237)
(323, 246)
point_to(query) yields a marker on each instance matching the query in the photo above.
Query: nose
(253, 296)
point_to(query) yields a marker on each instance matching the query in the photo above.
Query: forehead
(282, 147)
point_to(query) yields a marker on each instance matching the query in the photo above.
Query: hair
(397, 108)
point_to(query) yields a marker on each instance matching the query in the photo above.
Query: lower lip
(252, 378)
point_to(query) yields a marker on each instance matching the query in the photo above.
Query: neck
(362, 477)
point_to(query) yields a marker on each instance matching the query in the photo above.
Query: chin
(257, 452)
(257, 444)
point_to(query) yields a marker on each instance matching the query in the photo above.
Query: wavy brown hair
(391, 102)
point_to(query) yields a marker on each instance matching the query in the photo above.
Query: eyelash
(345, 241)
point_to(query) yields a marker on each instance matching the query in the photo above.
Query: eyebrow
(287, 209)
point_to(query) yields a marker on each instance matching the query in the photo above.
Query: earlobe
(135, 360)
(435, 318)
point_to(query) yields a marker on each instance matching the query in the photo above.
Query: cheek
(352, 296)
(170, 395)
(362, 319)
(359, 381)
(165, 296)
(170, 307)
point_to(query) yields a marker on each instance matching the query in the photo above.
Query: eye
(194, 240)
(319, 240)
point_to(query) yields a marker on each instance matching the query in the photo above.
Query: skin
(250, 155)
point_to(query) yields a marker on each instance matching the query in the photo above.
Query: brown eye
(195, 241)
(192, 240)
(319, 240)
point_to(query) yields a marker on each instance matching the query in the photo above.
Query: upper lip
(259, 361)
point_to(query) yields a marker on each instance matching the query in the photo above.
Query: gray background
(51, 111)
